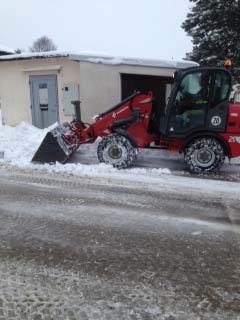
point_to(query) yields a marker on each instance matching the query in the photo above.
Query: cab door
(200, 102)
(191, 103)
(217, 115)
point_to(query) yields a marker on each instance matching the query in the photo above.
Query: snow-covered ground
(101, 245)
(18, 145)
(6, 49)
(71, 250)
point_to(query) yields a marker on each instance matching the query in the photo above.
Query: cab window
(221, 88)
(191, 102)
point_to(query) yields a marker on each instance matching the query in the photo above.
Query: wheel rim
(204, 157)
(115, 152)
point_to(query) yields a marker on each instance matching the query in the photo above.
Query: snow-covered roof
(5, 49)
(103, 59)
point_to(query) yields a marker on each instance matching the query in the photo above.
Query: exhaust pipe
(77, 109)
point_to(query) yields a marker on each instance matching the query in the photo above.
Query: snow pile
(103, 59)
(20, 143)
(6, 49)
(101, 169)
(139, 62)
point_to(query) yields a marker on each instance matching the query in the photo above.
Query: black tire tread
(198, 143)
(129, 154)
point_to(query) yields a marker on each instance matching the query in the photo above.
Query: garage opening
(160, 86)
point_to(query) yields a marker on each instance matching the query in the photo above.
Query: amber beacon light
(228, 63)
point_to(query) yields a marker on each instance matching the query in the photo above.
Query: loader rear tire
(116, 150)
(204, 155)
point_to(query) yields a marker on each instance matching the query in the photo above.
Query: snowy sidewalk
(20, 143)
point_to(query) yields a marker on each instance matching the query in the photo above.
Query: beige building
(39, 87)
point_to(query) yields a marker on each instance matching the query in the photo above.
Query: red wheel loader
(199, 121)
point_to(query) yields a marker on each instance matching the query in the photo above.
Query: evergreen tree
(214, 26)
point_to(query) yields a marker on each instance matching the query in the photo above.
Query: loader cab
(199, 101)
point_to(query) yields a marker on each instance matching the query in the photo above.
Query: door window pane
(221, 88)
(191, 102)
(43, 95)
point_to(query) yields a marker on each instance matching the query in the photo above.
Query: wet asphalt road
(82, 248)
(152, 158)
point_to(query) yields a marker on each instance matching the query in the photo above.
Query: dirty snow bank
(21, 142)
(6, 49)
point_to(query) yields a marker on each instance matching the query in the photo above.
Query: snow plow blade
(53, 149)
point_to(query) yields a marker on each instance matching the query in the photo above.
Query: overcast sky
(140, 28)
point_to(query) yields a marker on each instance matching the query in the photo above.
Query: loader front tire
(116, 150)
(204, 155)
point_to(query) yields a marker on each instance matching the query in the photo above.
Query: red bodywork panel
(233, 123)
(232, 135)
(137, 127)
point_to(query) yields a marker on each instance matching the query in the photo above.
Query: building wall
(100, 85)
(15, 99)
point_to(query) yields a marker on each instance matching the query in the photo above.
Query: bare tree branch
(43, 44)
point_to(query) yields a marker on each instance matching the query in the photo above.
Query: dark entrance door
(160, 87)
(144, 83)
(44, 101)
